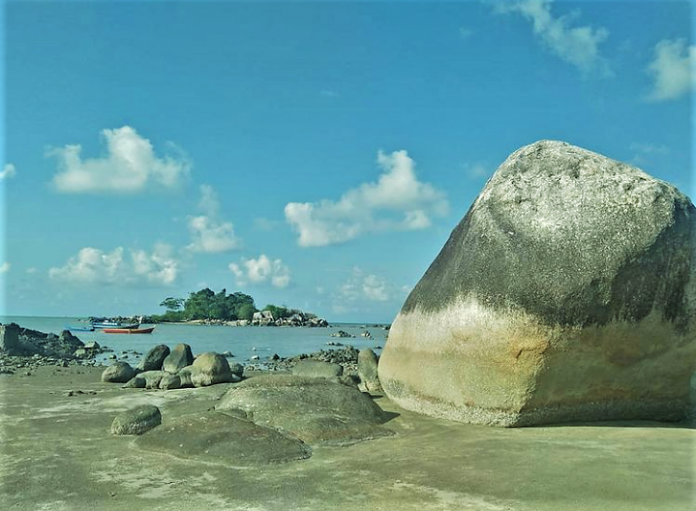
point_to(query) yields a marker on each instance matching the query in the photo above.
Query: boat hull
(128, 330)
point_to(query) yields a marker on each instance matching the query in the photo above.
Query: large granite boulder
(314, 410)
(180, 357)
(154, 359)
(567, 292)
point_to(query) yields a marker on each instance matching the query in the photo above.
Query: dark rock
(137, 420)
(180, 357)
(154, 359)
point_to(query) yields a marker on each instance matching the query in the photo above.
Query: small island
(233, 309)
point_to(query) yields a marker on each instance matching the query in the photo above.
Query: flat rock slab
(218, 437)
(313, 409)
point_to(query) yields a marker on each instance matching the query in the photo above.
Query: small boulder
(185, 376)
(236, 368)
(318, 369)
(170, 381)
(210, 368)
(146, 380)
(119, 372)
(137, 420)
(367, 369)
(180, 357)
(154, 359)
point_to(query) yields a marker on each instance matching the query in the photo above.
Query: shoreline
(59, 454)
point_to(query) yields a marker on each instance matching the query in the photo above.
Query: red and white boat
(128, 330)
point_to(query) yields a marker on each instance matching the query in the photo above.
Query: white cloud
(362, 286)
(95, 266)
(673, 70)
(4, 267)
(261, 270)
(130, 165)
(397, 201)
(31, 270)
(210, 234)
(8, 171)
(577, 45)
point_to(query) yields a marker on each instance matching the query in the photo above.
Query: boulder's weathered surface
(146, 380)
(367, 370)
(180, 357)
(185, 376)
(210, 368)
(9, 339)
(213, 436)
(170, 381)
(567, 292)
(315, 410)
(317, 369)
(154, 359)
(137, 420)
(118, 372)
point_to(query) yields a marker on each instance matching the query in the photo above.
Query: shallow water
(242, 342)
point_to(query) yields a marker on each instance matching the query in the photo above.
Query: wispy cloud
(363, 287)
(465, 32)
(643, 153)
(119, 267)
(4, 267)
(673, 70)
(261, 270)
(8, 171)
(577, 45)
(129, 165)
(477, 170)
(209, 233)
(397, 201)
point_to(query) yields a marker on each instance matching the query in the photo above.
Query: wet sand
(58, 454)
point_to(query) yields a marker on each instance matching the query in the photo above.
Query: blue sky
(313, 154)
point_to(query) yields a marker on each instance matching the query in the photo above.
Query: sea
(242, 342)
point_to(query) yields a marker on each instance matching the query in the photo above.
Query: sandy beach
(58, 454)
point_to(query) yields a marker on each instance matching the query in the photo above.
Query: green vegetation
(209, 305)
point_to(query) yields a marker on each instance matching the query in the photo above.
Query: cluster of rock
(265, 318)
(166, 369)
(566, 293)
(22, 348)
(265, 419)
